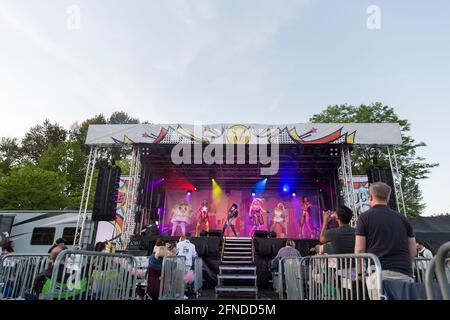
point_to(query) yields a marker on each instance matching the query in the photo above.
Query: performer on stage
(305, 224)
(279, 219)
(202, 217)
(231, 219)
(256, 214)
(181, 217)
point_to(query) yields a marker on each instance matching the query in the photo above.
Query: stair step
(240, 268)
(236, 289)
(236, 276)
(237, 262)
(240, 253)
(238, 238)
(238, 245)
(248, 256)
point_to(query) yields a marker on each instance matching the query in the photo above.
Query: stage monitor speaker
(215, 233)
(376, 174)
(105, 200)
(262, 234)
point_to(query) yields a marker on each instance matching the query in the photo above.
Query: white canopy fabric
(299, 133)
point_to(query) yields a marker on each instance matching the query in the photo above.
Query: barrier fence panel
(172, 285)
(85, 275)
(345, 277)
(296, 277)
(18, 273)
(420, 266)
(439, 268)
(198, 271)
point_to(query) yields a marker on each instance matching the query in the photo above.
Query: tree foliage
(31, 187)
(411, 167)
(46, 169)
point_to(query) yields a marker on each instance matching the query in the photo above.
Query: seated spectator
(387, 234)
(287, 251)
(186, 249)
(156, 259)
(60, 242)
(159, 243)
(339, 240)
(43, 279)
(8, 248)
(422, 251)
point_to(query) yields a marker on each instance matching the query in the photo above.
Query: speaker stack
(106, 192)
(376, 174)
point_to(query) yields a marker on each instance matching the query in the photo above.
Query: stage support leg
(396, 176)
(82, 213)
(129, 222)
(349, 194)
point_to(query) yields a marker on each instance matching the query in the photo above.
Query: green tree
(39, 137)
(32, 188)
(120, 117)
(10, 154)
(411, 167)
(68, 160)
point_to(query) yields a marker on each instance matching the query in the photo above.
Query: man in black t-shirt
(340, 240)
(387, 234)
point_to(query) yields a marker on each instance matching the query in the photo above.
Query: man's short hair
(380, 191)
(420, 242)
(344, 214)
(182, 238)
(290, 243)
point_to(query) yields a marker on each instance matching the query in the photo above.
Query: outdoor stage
(174, 168)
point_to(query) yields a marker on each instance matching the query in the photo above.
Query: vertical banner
(361, 190)
(111, 229)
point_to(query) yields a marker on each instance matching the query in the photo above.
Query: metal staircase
(237, 272)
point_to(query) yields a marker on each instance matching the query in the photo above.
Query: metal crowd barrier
(345, 277)
(18, 273)
(86, 275)
(439, 268)
(172, 283)
(420, 266)
(296, 275)
(198, 271)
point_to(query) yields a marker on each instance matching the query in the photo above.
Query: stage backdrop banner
(219, 205)
(301, 133)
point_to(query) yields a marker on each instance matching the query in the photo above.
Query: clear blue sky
(229, 61)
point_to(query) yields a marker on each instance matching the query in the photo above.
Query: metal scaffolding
(348, 190)
(129, 223)
(397, 178)
(82, 214)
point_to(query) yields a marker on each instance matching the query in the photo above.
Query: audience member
(387, 234)
(339, 240)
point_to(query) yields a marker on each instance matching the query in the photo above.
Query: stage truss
(129, 224)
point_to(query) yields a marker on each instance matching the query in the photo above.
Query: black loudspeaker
(376, 174)
(214, 233)
(105, 199)
(262, 234)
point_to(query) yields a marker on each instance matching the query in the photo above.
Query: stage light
(294, 194)
(253, 194)
(195, 189)
(157, 223)
(188, 193)
(285, 188)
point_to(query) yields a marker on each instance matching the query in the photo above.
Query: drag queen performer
(305, 226)
(181, 217)
(256, 214)
(279, 219)
(202, 217)
(231, 219)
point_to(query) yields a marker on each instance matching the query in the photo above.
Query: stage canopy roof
(299, 133)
